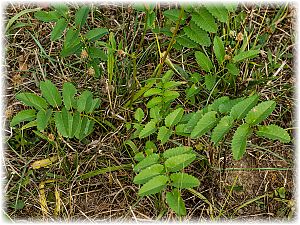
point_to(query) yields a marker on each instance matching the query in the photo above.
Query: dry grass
(112, 196)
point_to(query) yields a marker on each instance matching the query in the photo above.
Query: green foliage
(24, 115)
(219, 49)
(174, 117)
(203, 61)
(274, 132)
(218, 11)
(204, 20)
(149, 129)
(240, 110)
(206, 123)
(155, 176)
(164, 134)
(239, 141)
(69, 124)
(197, 35)
(223, 127)
(58, 29)
(260, 112)
(175, 202)
(139, 115)
(246, 55)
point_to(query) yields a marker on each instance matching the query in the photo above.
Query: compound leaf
(239, 141)
(193, 121)
(274, 132)
(152, 91)
(260, 112)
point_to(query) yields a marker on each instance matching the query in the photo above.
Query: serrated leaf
(174, 117)
(76, 121)
(84, 101)
(150, 146)
(152, 91)
(96, 34)
(217, 102)
(164, 134)
(42, 119)
(95, 105)
(197, 35)
(210, 81)
(232, 69)
(178, 162)
(155, 113)
(148, 173)
(184, 180)
(171, 84)
(167, 76)
(59, 123)
(205, 20)
(222, 129)
(139, 156)
(226, 106)
(139, 114)
(58, 29)
(50, 93)
(179, 130)
(81, 16)
(203, 61)
(66, 117)
(240, 110)
(68, 94)
(231, 7)
(154, 102)
(239, 141)
(219, 49)
(193, 121)
(246, 55)
(260, 112)
(97, 53)
(274, 132)
(153, 186)
(32, 100)
(146, 162)
(176, 203)
(177, 151)
(206, 123)
(185, 41)
(24, 115)
(85, 127)
(218, 11)
(149, 129)
(173, 15)
(170, 95)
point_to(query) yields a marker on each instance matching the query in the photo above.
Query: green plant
(162, 173)
(69, 113)
(86, 45)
